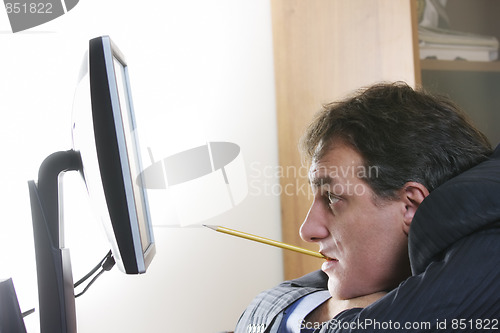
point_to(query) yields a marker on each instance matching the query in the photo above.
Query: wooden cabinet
(324, 49)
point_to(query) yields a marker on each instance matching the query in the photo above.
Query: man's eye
(332, 198)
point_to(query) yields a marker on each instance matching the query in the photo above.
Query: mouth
(330, 264)
(327, 258)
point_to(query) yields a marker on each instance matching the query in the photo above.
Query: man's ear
(413, 194)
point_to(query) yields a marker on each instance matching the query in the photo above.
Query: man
(374, 158)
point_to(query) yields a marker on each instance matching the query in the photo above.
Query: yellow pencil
(264, 240)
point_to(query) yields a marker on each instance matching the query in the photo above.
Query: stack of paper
(444, 44)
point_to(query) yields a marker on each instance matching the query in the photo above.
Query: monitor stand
(55, 277)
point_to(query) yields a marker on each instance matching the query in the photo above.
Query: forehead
(339, 161)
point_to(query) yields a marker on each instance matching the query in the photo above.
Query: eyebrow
(323, 180)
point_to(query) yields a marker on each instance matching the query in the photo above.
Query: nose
(315, 227)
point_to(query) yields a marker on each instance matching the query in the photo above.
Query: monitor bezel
(112, 156)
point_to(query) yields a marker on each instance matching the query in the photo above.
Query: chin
(342, 291)
(338, 290)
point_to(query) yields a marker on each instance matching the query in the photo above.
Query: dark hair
(406, 134)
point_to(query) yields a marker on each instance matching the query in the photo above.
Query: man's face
(363, 235)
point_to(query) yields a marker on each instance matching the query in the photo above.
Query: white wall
(201, 71)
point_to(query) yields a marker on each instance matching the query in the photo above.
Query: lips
(329, 264)
(328, 258)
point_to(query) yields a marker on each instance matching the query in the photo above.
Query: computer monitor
(107, 153)
(111, 155)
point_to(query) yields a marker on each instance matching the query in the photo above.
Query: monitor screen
(111, 157)
(132, 150)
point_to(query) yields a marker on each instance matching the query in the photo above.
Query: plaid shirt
(265, 312)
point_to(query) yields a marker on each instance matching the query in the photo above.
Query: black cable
(90, 283)
(83, 279)
(105, 264)
(27, 313)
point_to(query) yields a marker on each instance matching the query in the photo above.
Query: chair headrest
(457, 208)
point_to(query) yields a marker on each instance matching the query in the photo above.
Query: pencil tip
(213, 227)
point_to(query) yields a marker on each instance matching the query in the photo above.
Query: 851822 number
(28, 8)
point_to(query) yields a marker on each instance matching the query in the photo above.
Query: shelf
(459, 65)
